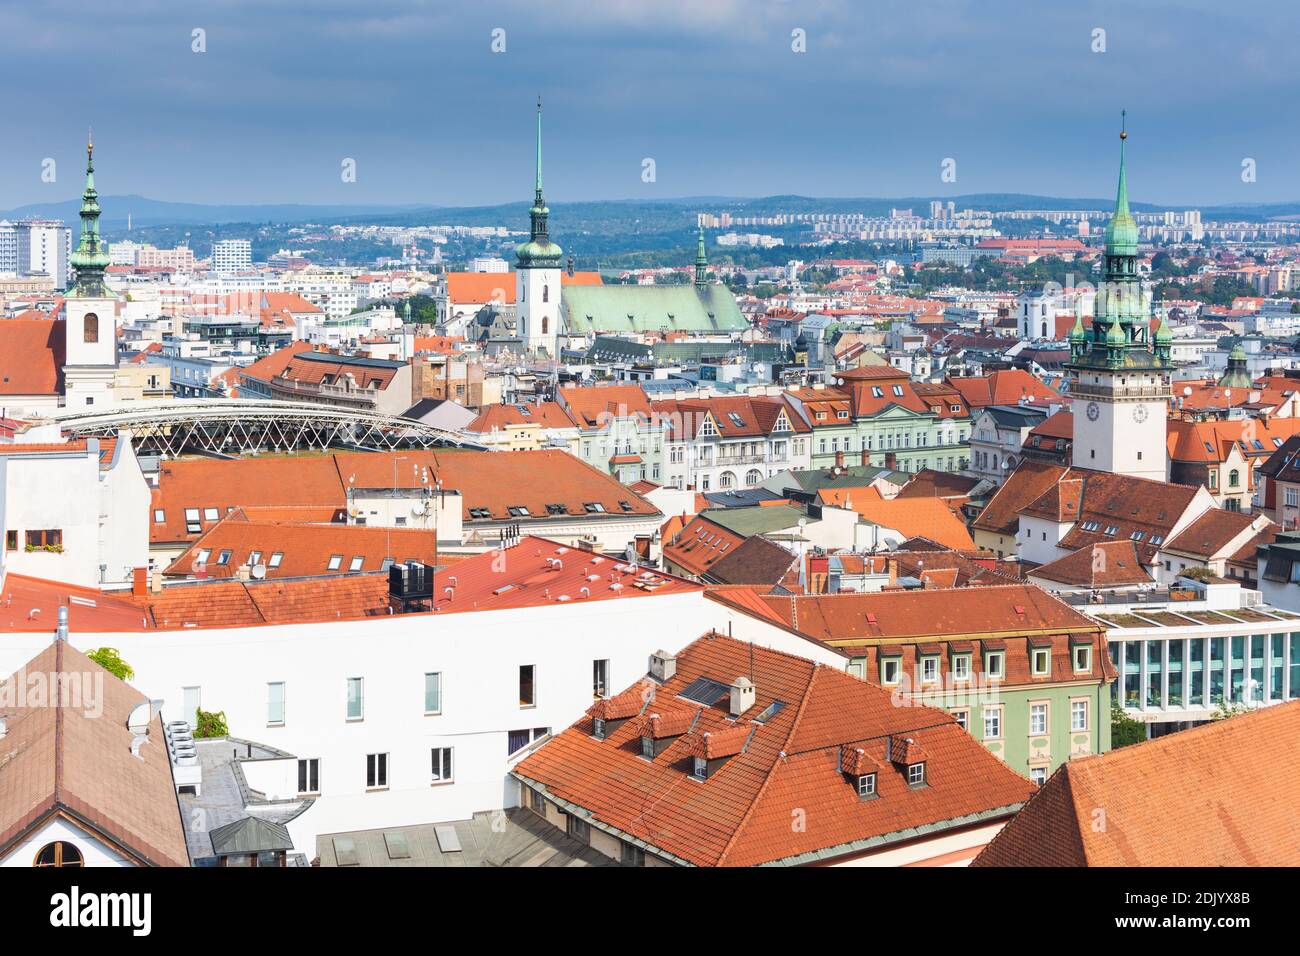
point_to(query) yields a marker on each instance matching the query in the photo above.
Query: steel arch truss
(240, 426)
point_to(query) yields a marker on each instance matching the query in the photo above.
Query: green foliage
(109, 659)
(1125, 730)
(1225, 709)
(209, 723)
(1197, 574)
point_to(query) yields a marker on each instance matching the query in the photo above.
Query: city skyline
(433, 117)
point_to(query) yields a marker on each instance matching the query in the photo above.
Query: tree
(210, 723)
(109, 659)
(1125, 730)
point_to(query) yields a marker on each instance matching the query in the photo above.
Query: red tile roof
(1221, 794)
(1003, 387)
(272, 366)
(77, 761)
(31, 357)
(501, 416)
(916, 517)
(303, 549)
(740, 815)
(1209, 535)
(755, 416)
(1024, 486)
(700, 545)
(480, 287)
(1109, 564)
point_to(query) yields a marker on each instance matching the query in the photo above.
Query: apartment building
(618, 431)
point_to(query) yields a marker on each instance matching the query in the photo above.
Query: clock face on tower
(1140, 413)
(1093, 411)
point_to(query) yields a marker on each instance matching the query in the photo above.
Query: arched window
(1044, 330)
(545, 323)
(59, 854)
(726, 480)
(1234, 478)
(546, 293)
(753, 477)
(90, 327)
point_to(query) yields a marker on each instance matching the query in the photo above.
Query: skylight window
(519, 511)
(594, 507)
(254, 557)
(480, 513)
(736, 419)
(1112, 529)
(336, 561)
(203, 555)
(224, 557)
(705, 690)
(898, 390)
(210, 514)
(276, 558)
(356, 563)
(876, 392)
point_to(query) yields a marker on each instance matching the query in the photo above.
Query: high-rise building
(1120, 374)
(36, 247)
(231, 255)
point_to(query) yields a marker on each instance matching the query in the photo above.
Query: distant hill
(600, 216)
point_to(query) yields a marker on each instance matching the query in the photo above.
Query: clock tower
(1119, 373)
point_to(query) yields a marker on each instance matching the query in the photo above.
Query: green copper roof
(651, 308)
(1077, 334)
(1122, 231)
(701, 261)
(90, 258)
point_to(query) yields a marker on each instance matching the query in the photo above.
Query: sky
(1022, 96)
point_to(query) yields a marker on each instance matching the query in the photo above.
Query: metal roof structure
(242, 426)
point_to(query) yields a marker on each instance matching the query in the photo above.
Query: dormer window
(867, 786)
(699, 768)
(889, 670)
(598, 729)
(916, 774)
(1041, 661)
(995, 664)
(1082, 659)
(648, 748)
(929, 670)
(961, 667)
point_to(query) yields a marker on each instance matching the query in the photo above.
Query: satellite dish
(257, 571)
(1227, 393)
(1187, 390)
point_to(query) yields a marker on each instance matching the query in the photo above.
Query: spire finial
(539, 147)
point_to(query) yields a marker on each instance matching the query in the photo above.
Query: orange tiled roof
(1108, 564)
(1003, 387)
(77, 760)
(501, 416)
(1200, 797)
(740, 815)
(272, 366)
(31, 357)
(699, 545)
(924, 517)
(1210, 534)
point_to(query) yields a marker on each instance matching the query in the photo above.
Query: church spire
(538, 251)
(701, 262)
(90, 258)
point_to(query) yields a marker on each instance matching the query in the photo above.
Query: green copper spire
(701, 262)
(538, 252)
(1122, 232)
(90, 258)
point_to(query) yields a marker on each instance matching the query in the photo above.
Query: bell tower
(1119, 373)
(90, 321)
(537, 273)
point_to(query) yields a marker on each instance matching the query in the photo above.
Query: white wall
(478, 653)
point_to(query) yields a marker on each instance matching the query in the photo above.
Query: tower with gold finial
(1119, 372)
(537, 271)
(90, 319)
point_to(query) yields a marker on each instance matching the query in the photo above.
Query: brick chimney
(866, 458)
(139, 582)
(839, 459)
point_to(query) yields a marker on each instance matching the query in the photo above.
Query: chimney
(891, 568)
(866, 458)
(139, 582)
(244, 572)
(891, 461)
(156, 580)
(663, 666)
(839, 459)
(742, 695)
(61, 634)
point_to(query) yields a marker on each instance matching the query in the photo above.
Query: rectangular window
(335, 562)
(963, 718)
(929, 670)
(961, 667)
(993, 723)
(995, 664)
(1038, 775)
(276, 558)
(1078, 716)
(1082, 659)
(355, 563)
(11, 540)
(275, 703)
(600, 678)
(889, 670)
(46, 538)
(867, 785)
(1037, 719)
(159, 515)
(527, 685)
(915, 774)
(309, 775)
(630, 855)
(376, 771)
(433, 693)
(699, 768)
(579, 830)
(440, 771)
(210, 514)
(1041, 659)
(355, 698)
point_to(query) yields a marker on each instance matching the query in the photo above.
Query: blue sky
(710, 89)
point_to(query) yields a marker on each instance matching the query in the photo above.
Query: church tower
(90, 323)
(537, 273)
(1119, 373)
